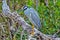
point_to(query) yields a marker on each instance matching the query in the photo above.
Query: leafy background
(49, 16)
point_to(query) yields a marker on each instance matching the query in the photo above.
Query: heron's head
(25, 7)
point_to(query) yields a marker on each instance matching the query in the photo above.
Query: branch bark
(27, 27)
(3, 31)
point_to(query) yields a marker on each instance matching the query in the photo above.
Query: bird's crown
(25, 7)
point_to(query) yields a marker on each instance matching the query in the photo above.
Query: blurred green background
(49, 16)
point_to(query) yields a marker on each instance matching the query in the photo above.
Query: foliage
(49, 16)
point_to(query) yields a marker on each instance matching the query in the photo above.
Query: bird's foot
(32, 33)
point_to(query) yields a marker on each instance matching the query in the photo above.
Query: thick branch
(27, 27)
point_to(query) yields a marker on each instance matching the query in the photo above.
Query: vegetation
(49, 15)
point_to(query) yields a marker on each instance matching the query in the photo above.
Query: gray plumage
(32, 14)
(5, 7)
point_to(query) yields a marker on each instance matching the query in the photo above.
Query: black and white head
(25, 7)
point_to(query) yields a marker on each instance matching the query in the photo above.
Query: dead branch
(27, 27)
(2, 36)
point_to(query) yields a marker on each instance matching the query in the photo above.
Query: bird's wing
(35, 12)
(34, 17)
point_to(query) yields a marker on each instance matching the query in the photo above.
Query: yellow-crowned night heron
(32, 14)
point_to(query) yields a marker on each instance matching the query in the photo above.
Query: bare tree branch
(27, 27)
(3, 36)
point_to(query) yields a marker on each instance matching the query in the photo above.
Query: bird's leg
(32, 33)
